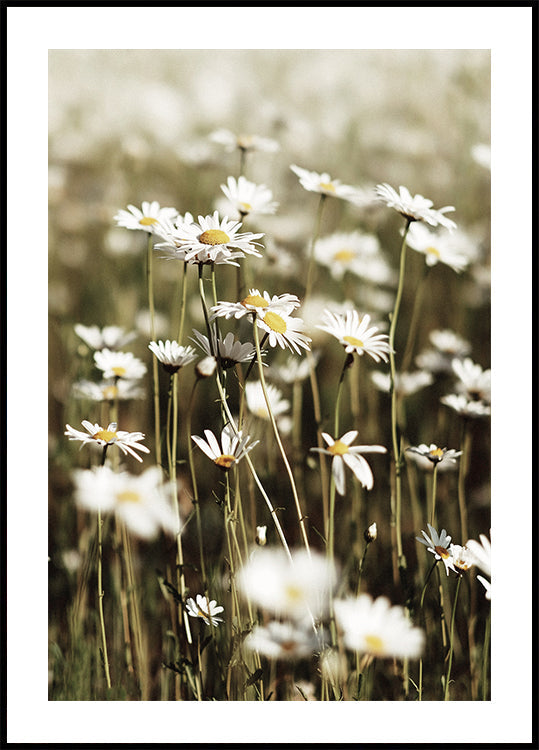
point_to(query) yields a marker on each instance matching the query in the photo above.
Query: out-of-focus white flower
(481, 556)
(344, 453)
(449, 342)
(288, 588)
(405, 383)
(355, 334)
(256, 403)
(466, 407)
(206, 609)
(295, 370)
(108, 390)
(416, 208)
(472, 380)
(354, 252)
(462, 557)
(377, 628)
(322, 183)
(206, 366)
(260, 538)
(232, 449)
(434, 454)
(244, 142)
(109, 337)
(172, 355)
(438, 544)
(146, 218)
(481, 154)
(282, 640)
(119, 364)
(437, 247)
(249, 198)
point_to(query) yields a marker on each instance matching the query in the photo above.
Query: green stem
(433, 509)
(451, 635)
(183, 300)
(463, 470)
(196, 501)
(155, 371)
(486, 650)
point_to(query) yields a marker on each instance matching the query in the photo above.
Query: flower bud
(371, 533)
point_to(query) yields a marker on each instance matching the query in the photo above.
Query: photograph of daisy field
(269, 368)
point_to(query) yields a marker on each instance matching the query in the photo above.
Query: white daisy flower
(322, 183)
(345, 453)
(109, 337)
(108, 390)
(119, 364)
(212, 238)
(244, 142)
(260, 538)
(256, 403)
(288, 588)
(462, 557)
(377, 628)
(127, 442)
(205, 609)
(172, 355)
(405, 383)
(296, 370)
(284, 331)
(466, 407)
(229, 350)
(141, 501)
(481, 552)
(439, 545)
(205, 367)
(473, 381)
(282, 640)
(354, 252)
(434, 454)
(416, 208)
(449, 342)
(147, 218)
(247, 197)
(257, 303)
(355, 335)
(232, 449)
(437, 247)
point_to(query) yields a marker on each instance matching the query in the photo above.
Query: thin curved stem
(155, 371)
(451, 635)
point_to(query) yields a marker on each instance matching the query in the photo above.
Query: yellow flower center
(107, 435)
(442, 551)
(275, 322)
(375, 643)
(214, 237)
(433, 251)
(110, 392)
(119, 371)
(147, 221)
(338, 448)
(436, 453)
(245, 208)
(344, 255)
(353, 341)
(128, 496)
(255, 300)
(328, 186)
(225, 461)
(294, 593)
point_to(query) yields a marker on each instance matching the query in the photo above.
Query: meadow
(269, 375)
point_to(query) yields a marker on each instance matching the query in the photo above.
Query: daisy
(141, 501)
(473, 381)
(405, 383)
(119, 364)
(462, 558)
(248, 197)
(353, 252)
(449, 342)
(260, 538)
(205, 367)
(282, 640)
(205, 609)
(439, 545)
(244, 142)
(434, 454)
(284, 331)
(355, 335)
(345, 453)
(212, 238)
(172, 355)
(109, 337)
(415, 208)
(481, 556)
(460, 403)
(256, 403)
(232, 449)
(437, 247)
(146, 218)
(256, 303)
(288, 588)
(127, 442)
(229, 350)
(322, 183)
(377, 628)
(108, 390)
(294, 370)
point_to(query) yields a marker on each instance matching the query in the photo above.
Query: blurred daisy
(288, 588)
(473, 381)
(448, 345)
(247, 197)
(345, 453)
(260, 538)
(205, 367)
(377, 628)
(466, 407)
(119, 364)
(257, 303)
(232, 449)
(229, 350)
(256, 403)
(355, 335)
(141, 502)
(147, 218)
(481, 154)
(437, 247)
(109, 337)
(439, 545)
(172, 355)
(282, 640)
(244, 142)
(127, 442)
(353, 252)
(108, 390)
(322, 183)
(205, 609)
(462, 558)
(481, 556)
(296, 370)
(434, 454)
(405, 383)
(416, 208)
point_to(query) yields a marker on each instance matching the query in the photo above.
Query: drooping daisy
(282, 640)
(322, 183)
(108, 390)
(256, 303)
(119, 364)
(229, 350)
(466, 407)
(377, 628)
(127, 442)
(344, 453)
(256, 403)
(211, 237)
(438, 247)
(109, 337)
(142, 502)
(288, 588)
(416, 208)
(147, 218)
(355, 335)
(172, 355)
(434, 454)
(247, 197)
(405, 383)
(439, 545)
(354, 252)
(206, 609)
(232, 449)
(243, 141)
